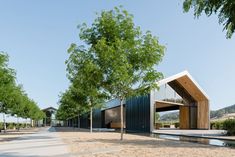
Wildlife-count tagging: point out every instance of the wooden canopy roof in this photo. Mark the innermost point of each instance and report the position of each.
(185, 86)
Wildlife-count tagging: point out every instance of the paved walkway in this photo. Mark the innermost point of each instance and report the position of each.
(45, 143)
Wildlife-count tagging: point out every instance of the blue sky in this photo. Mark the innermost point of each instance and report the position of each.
(36, 35)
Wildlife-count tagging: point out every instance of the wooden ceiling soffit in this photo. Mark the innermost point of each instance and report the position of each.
(179, 89)
(191, 88)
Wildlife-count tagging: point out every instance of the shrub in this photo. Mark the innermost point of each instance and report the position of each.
(1, 126)
(177, 124)
(10, 125)
(229, 125)
(218, 125)
(212, 125)
(22, 125)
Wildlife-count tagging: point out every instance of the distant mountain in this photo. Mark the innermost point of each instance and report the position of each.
(172, 116)
(222, 112)
(214, 114)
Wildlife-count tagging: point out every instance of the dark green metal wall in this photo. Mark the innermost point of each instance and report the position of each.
(84, 121)
(138, 114)
(97, 119)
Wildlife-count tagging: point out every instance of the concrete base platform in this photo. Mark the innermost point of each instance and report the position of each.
(195, 133)
(103, 129)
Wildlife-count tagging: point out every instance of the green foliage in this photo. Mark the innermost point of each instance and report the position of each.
(70, 104)
(157, 117)
(13, 99)
(1, 126)
(117, 61)
(126, 57)
(229, 125)
(162, 124)
(86, 77)
(218, 125)
(177, 124)
(7, 84)
(10, 125)
(224, 8)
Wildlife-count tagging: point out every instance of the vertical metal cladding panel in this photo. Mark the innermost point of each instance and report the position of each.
(84, 121)
(75, 122)
(138, 114)
(97, 119)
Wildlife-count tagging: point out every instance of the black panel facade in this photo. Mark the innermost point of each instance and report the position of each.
(138, 114)
(84, 121)
(97, 119)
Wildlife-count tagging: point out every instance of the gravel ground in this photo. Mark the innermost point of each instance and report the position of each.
(107, 144)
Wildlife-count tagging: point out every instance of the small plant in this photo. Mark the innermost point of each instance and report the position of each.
(229, 125)
(217, 125)
(10, 126)
(1, 126)
(177, 124)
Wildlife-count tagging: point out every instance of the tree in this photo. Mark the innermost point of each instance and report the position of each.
(126, 57)
(224, 8)
(86, 78)
(70, 104)
(7, 84)
(13, 99)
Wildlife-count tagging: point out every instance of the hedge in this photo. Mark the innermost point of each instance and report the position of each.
(218, 125)
(229, 125)
(12, 125)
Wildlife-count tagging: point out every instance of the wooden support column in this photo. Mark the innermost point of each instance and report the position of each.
(203, 114)
(184, 117)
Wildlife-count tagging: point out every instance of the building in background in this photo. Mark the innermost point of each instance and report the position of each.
(50, 119)
(179, 92)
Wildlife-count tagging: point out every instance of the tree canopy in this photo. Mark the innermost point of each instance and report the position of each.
(224, 8)
(13, 99)
(117, 59)
(70, 104)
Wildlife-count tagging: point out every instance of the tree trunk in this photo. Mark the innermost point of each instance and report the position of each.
(122, 125)
(91, 120)
(26, 123)
(78, 122)
(4, 123)
(18, 126)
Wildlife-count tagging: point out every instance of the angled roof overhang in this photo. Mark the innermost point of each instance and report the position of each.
(184, 82)
(49, 109)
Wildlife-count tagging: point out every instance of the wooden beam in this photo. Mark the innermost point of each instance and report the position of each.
(184, 117)
(191, 88)
(169, 108)
(168, 102)
(179, 89)
(203, 115)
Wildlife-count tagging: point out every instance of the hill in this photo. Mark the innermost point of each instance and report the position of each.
(222, 112)
(172, 116)
(214, 114)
